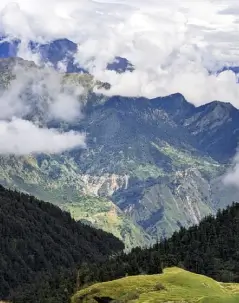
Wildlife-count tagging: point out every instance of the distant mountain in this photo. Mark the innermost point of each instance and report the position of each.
(214, 125)
(120, 65)
(61, 50)
(8, 48)
(150, 167)
(40, 241)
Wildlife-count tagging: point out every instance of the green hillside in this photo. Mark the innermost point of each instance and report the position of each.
(104, 214)
(174, 285)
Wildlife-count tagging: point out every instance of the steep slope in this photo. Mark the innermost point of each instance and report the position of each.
(104, 214)
(216, 128)
(38, 241)
(150, 166)
(59, 179)
(174, 285)
(166, 170)
(214, 125)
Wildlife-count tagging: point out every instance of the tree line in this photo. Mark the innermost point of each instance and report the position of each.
(45, 255)
(210, 248)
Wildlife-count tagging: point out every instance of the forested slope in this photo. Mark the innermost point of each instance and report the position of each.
(210, 248)
(40, 243)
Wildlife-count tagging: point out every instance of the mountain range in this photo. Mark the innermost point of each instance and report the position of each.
(150, 166)
(56, 51)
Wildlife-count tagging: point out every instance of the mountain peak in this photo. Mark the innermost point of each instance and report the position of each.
(175, 105)
(220, 105)
(217, 110)
(59, 50)
(9, 63)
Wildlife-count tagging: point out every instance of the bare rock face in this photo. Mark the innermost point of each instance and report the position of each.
(105, 185)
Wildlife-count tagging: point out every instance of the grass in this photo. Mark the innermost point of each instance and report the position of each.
(89, 206)
(174, 285)
(184, 158)
(86, 80)
(103, 214)
(145, 171)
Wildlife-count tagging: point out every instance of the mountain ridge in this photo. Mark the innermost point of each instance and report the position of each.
(143, 157)
(56, 52)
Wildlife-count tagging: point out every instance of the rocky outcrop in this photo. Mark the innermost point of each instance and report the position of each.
(181, 200)
(105, 185)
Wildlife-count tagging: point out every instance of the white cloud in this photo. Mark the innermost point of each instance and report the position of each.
(48, 95)
(38, 94)
(232, 176)
(172, 43)
(21, 137)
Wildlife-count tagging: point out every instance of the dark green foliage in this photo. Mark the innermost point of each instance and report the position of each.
(54, 287)
(211, 248)
(41, 246)
(138, 261)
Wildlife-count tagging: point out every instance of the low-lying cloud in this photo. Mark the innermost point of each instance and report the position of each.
(232, 175)
(38, 96)
(21, 137)
(42, 92)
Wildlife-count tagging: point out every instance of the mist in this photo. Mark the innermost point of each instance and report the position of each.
(33, 98)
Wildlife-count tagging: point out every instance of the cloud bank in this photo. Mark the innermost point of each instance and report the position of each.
(175, 46)
(21, 137)
(33, 99)
(232, 175)
(41, 91)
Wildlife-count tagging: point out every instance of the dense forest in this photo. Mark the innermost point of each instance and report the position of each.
(41, 246)
(211, 248)
(138, 261)
(46, 255)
